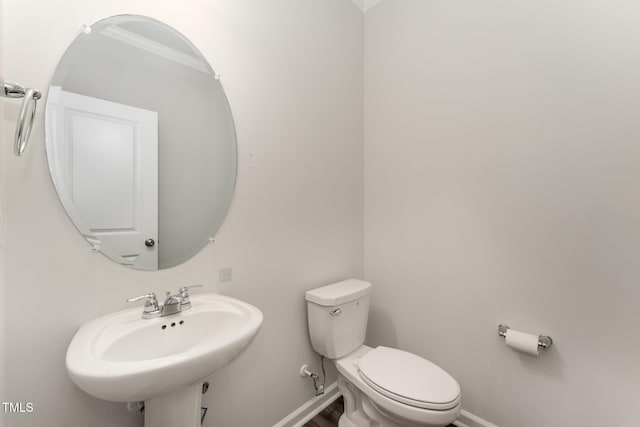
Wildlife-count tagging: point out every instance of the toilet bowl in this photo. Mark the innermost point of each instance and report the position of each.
(381, 386)
(389, 410)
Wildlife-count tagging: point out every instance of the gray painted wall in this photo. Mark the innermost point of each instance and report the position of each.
(501, 186)
(4, 137)
(293, 73)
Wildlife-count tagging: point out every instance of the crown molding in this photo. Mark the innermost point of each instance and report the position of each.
(365, 5)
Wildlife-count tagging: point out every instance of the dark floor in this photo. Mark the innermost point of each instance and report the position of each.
(330, 415)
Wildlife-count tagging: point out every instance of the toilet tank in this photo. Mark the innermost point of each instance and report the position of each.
(338, 315)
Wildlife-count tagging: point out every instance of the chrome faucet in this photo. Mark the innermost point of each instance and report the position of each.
(184, 294)
(172, 304)
(151, 307)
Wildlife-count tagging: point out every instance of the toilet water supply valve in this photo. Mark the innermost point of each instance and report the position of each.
(317, 385)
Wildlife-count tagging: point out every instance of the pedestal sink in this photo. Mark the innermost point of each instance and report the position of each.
(121, 357)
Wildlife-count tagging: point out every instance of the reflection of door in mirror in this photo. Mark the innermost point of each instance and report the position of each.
(109, 153)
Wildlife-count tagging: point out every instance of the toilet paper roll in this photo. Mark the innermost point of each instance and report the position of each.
(521, 341)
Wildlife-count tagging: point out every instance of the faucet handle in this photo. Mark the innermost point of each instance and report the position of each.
(184, 293)
(151, 308)
(185, 289)
(150, 296)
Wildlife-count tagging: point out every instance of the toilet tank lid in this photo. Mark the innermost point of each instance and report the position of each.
(339, 293)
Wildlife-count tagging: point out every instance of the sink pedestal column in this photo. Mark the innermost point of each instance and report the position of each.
(179, 408)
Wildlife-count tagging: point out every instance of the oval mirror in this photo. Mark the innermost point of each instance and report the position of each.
(140, 142)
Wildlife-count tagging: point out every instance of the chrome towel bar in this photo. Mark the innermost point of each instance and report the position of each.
(27, 112)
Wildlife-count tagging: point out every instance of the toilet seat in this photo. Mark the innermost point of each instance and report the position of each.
(409, 379)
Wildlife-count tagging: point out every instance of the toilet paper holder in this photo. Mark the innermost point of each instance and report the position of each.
(544, 341)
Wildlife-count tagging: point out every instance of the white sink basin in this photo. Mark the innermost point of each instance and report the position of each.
(123, 358)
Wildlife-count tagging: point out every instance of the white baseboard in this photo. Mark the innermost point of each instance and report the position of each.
(315, 405)
(310, 408)
(469, 420)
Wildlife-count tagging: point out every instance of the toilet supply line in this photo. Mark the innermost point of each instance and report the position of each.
(317, 385)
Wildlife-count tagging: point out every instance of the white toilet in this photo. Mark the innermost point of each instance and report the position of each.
(382, 387)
